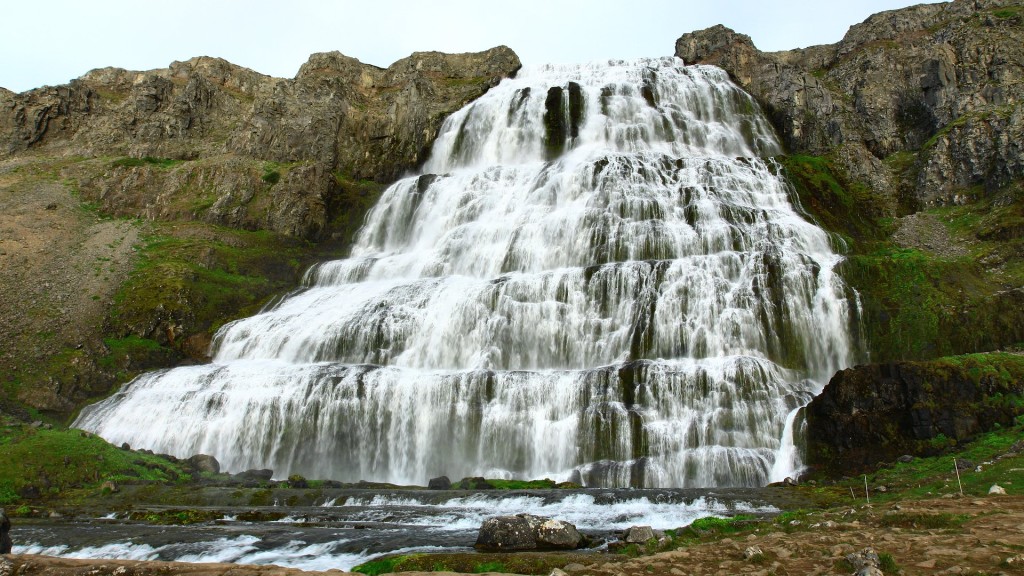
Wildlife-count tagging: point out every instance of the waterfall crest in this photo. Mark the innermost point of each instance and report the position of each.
(597, 276)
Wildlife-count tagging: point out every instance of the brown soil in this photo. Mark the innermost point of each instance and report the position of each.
(60, 265)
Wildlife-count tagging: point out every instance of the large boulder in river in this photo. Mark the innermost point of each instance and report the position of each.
(527, 532)
(205, 463)
(439, 483)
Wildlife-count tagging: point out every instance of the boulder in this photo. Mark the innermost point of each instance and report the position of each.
(205, 463)
(638, 535)
(475, 483)
(996, 490)
(557, 535)
(262, 475)
(439, 483)
(526, 532)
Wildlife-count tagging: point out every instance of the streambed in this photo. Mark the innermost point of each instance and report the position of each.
(351, 526)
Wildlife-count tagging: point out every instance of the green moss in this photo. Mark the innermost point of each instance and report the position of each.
(1006, 13)
(129, 162)
(384, 565)
(931, 476)
(352, 200)
(54, 461)
(198, 282)
(847, 209)
(544, 484)
(271, 174)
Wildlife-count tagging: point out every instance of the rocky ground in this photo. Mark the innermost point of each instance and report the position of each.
(60, 265)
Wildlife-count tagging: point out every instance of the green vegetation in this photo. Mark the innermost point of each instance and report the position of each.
(934, 475)
(129, 162)
(353, 199)
(271, 174)
(52, 462)
(1009, 12)
(847, 209)
(919, 305)
(188, 275)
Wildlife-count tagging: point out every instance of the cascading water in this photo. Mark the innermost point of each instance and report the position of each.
(596, 277)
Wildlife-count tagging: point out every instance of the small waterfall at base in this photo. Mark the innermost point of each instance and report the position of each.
(597, 277)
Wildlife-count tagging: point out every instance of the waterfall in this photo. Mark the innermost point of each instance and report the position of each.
(597, 276)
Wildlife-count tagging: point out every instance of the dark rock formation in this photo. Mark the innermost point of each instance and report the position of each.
(205, 463)
(940, 81)
(526, 532)
(439, 483)
(473, 483)
(5, 533)
(263, 475)
(880, 412)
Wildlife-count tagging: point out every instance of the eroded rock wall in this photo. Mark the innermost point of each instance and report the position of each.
(940, 81)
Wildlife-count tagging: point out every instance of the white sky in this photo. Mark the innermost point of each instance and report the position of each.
(53, 41)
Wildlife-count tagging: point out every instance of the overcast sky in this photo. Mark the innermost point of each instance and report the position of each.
(53, 41)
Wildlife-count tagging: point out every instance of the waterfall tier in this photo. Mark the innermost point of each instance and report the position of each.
(597, 276)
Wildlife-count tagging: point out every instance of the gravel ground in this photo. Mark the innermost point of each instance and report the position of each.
(60, 266)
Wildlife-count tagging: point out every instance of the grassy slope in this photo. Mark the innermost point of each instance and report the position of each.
(918, 305)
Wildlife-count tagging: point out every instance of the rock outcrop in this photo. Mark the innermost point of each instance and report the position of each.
(878, 412)
(941, 83)
(229, 146)
(527, 532)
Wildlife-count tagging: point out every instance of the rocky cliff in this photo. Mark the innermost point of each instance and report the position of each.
(242, 149)
(141, 210)
(922, 104)
(879, 412)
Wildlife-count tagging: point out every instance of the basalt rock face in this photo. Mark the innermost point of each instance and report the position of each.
(879, 412)
(233, 129)
(942, 82)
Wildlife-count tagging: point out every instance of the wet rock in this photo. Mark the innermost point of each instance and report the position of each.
(474, 483)
(205, 463)
(5, 533)
(526, 532)
(262, 475)
(638, 535)
(439, 483)
(30, 492)
(557, 535)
